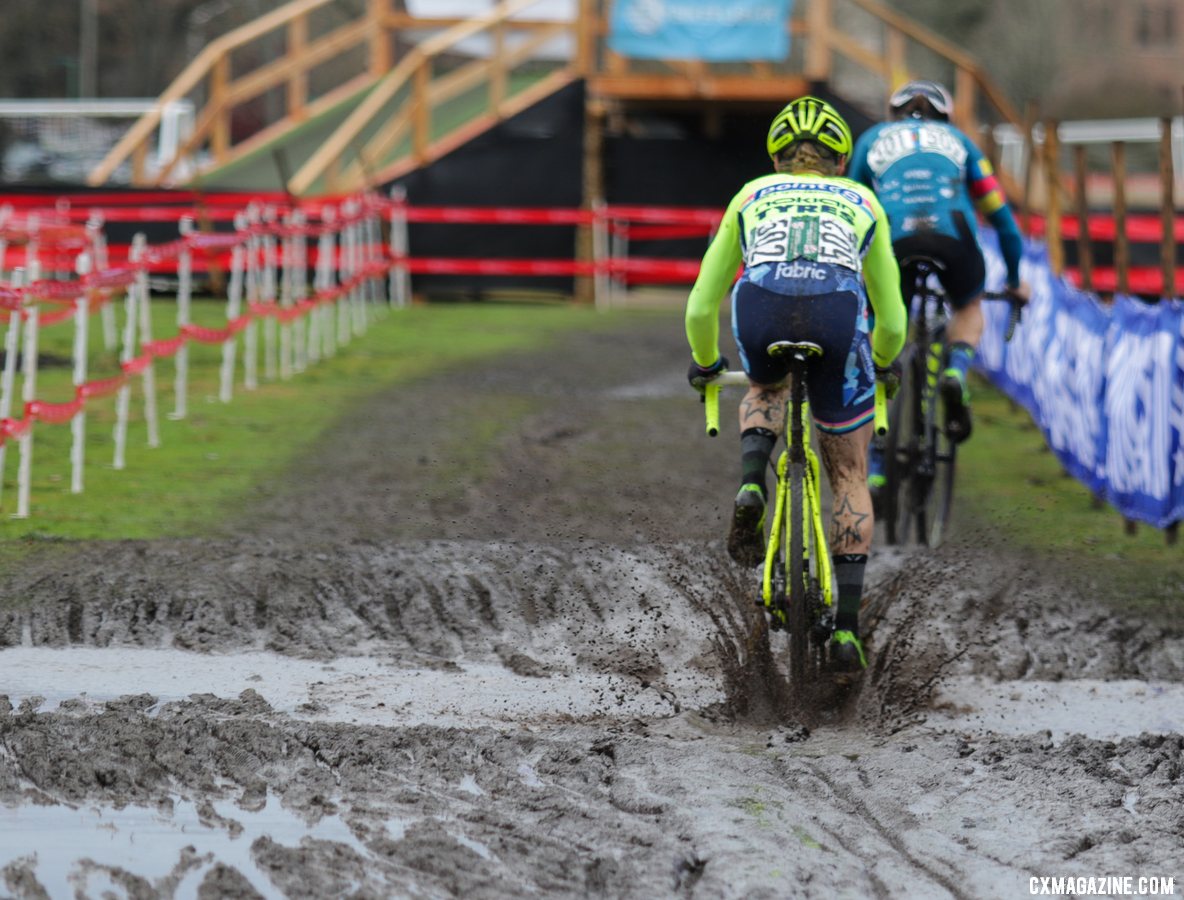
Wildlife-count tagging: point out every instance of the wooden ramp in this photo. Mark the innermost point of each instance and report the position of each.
(352, 101)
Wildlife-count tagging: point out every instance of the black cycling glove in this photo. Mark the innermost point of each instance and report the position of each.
(890, 375)
(699, 376)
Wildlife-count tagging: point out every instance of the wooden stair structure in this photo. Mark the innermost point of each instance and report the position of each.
(382, 93)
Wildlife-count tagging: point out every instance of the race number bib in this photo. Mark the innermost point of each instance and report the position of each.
(769, 242)
(836, 245)
(815, 238)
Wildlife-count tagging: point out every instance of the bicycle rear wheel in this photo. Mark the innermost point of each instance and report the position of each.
(937, 501)
(903, 448)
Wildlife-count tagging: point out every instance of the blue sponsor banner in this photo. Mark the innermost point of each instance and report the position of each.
(1105, 383)
(712, 30)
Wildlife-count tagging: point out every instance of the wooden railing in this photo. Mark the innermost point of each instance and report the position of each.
(220, 91)
(409, 100)
(409, 112)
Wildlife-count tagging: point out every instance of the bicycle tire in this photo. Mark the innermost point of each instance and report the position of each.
(907, 452)
(933, 515)
(797, 589)
(896, 459)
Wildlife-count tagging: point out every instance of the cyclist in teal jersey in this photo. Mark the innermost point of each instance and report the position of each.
(816, 248)
(932, 179)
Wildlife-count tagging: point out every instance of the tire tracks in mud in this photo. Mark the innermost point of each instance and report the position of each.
(584, 552)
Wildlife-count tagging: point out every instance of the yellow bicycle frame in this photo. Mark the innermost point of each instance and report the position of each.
(811, 523)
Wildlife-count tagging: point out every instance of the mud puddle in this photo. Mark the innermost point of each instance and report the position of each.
(358, 689)
(1103, 710)
(172, 848)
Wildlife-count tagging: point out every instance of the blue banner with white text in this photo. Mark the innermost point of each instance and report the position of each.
(710, 30)
(1105, 383)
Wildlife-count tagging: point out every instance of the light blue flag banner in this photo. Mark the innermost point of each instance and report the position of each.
(1105, 383)
(710, 30)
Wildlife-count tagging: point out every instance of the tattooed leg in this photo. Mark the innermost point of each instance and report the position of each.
(845, 458)
(764, 407)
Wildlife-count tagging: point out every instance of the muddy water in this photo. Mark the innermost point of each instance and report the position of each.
(500, 666)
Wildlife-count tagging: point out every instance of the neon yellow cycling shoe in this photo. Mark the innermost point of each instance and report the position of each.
(846, 652)
(746, 539)
(956, 395)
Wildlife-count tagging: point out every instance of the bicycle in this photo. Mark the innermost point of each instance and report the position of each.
(797, 585)
(919, 457)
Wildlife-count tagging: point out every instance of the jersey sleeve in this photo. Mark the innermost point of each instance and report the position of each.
(882, 276)
(716, 274)
(988, 197)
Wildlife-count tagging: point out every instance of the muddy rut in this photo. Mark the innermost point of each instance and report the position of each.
(489, 644)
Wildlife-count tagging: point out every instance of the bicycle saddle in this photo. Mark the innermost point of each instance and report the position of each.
(801, 349)
(922, 262)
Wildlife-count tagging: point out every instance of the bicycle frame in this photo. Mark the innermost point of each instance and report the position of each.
(812, 524)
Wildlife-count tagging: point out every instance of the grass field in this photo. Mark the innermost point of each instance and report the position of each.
(1009, 481)
(218, 453)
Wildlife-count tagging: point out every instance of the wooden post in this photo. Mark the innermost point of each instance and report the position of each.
(298, 82)
(1030, 117)
(1052, 175)
(1085, 257)
(587, 34)
(1167, 211)
(422, 117)
(1122, 249)
(380, 40)
(594, 114)
(497, 75)
(894, 50)
(220, 130)
(818, 19)
(965, 91)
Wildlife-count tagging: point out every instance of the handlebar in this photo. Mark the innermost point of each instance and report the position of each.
(735, 379)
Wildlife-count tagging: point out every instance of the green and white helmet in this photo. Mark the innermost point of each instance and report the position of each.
(809, 118)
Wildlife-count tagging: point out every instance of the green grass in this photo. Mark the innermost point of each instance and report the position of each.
(214, 459)
(1010, 482)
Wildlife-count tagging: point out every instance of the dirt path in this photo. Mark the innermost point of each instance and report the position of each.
(486, 642)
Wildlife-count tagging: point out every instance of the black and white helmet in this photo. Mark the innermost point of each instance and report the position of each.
(934, 94)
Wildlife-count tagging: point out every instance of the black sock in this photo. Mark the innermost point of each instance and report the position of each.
(849, 580)
(756, 446)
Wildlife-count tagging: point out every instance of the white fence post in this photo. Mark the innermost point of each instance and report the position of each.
(81, 351)
(123, 398)
(287, 294)
(302, 340)
(267, 293)
(12, 342)
(400, 276)
(24, 478)
(251, 333)
(184, 317)
(234, 303)
(144, 307)
(98, 243)
(327, 264)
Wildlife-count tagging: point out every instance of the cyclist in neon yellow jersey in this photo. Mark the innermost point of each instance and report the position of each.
(816, 248)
